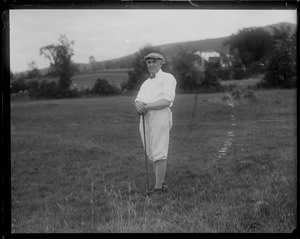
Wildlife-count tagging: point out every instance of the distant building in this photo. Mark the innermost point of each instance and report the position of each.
(210, 56)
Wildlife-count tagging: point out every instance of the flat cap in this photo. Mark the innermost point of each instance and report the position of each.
(154, 56)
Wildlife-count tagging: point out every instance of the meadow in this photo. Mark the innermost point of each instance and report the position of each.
(244, 82)
(77, 165)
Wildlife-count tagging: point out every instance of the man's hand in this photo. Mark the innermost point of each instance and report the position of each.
(141, 107)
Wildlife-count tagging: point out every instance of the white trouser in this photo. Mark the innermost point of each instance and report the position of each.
(158, 124)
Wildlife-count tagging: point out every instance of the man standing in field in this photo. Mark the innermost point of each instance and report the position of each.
(153, 101)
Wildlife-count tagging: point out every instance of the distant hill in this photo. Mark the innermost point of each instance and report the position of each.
(171, 50)
(216, 44)
(270, 28)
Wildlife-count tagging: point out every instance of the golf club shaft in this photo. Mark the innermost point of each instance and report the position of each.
(145, 147)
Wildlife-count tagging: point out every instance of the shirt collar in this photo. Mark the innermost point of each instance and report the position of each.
(157, 74)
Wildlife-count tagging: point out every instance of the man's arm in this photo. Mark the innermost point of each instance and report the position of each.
(158, 105)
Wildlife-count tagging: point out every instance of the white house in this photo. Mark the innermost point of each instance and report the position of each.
(210, 56)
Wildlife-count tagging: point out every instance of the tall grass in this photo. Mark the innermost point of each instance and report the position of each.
(78, 166)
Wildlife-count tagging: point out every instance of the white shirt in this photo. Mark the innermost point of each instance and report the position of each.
(161, 87)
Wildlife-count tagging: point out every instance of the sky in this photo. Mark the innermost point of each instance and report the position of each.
(108, 34)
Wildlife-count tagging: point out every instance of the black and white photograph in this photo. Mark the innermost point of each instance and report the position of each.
(153, 120)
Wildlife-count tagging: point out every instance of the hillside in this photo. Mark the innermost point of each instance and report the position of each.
(171, 50)
(270, 28)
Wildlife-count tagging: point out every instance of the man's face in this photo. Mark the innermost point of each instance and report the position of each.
(153, 65)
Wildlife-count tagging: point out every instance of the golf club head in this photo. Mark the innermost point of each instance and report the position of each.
(148, 192)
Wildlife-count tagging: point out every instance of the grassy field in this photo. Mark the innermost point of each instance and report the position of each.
(77, 165)
(244, 82)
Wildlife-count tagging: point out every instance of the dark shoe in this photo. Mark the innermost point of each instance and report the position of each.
(164, 188)
(154, 192)
(158, 191)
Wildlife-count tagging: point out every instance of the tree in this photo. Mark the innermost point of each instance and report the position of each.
(60, 60)
(140, 72)
(238, 68)
(33, 70)
(186, 74)
(252, 44)
(281, 71)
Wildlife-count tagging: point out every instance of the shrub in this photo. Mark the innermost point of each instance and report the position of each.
(33, 88)
(279, 79)
(49, 89)
(102, 87)
(224, 73)
(238, 73)
(255, 68)
(211, 78)
(42, 89)
(17, 86)
(124, 86)
(65, 92)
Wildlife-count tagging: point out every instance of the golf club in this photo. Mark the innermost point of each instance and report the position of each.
(145, 148)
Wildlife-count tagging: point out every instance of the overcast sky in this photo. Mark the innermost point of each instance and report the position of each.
(108, 34)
